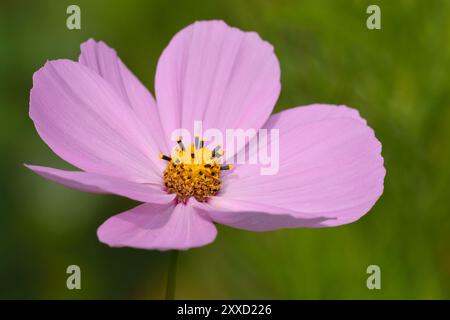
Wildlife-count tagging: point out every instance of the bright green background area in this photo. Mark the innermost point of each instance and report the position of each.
(397, 77)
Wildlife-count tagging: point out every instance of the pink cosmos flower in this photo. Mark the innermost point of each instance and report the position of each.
(96, 115)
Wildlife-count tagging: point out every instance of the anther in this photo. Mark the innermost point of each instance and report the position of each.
(216, 152)
(167, 158)
(180, 143)
(226, 167)
(197, 140)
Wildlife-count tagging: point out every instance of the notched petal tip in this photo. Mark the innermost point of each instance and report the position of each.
(238, 70)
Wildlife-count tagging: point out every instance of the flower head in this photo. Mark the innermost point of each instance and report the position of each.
(193, 172)
(96, 115)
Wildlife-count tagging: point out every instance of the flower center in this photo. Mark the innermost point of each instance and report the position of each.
(194, 171)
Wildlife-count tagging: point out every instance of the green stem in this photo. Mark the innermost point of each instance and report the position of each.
(172, 275)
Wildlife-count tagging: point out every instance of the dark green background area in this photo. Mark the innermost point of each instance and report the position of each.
(397, 77)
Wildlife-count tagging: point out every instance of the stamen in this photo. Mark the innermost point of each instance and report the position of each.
(197, 140)
(180, 143)
(167, 158)
(216, 152)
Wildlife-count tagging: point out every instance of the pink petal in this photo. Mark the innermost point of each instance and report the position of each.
(104, 60)
(162, 227)
(78, 114)
(330, 166)
(218, 74)
(97, 183)
(254, 216)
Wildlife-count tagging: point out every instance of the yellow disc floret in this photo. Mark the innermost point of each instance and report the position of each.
(193, 171)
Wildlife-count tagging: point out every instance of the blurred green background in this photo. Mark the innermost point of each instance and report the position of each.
(397, 77)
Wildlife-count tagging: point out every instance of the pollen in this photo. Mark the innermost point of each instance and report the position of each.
(194, 171)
